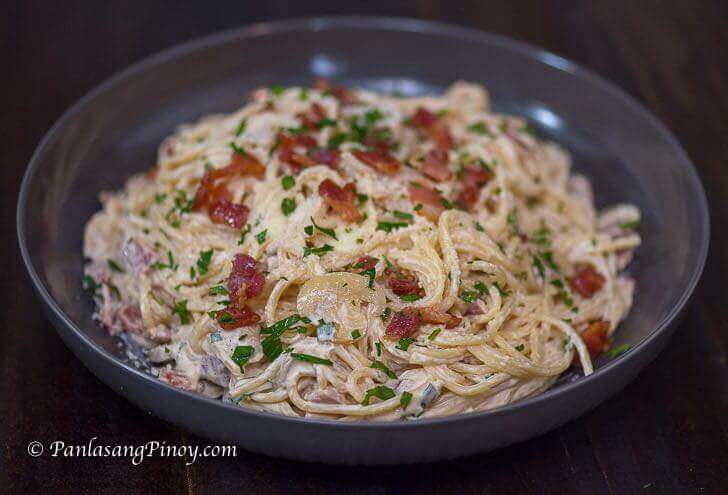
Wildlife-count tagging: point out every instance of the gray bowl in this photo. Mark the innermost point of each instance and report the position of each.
(114, 131)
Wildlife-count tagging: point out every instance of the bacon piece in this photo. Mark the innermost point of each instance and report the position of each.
(587, 281)
(474, 177)
(430, 199)
(312, 116)
(403, 284)
(379, 160)
(341, 93)
(233, 214)
(236, 316)
(130, 318)
(328, 157)
(288, 154)
(365, 263)
(434, 128)
(423, 118)
(473, 310)
(435, 165)
(404, 324)
(245, 282)
(217, 198)
(177, 380)
(596, 338)
(436, 317)
(342, 201)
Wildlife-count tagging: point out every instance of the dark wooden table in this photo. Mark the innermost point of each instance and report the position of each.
(667, 432)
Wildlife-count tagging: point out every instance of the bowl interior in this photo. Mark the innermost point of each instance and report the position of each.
(115, 132)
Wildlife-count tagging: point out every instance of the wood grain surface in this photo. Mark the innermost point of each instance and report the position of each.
(667, 432)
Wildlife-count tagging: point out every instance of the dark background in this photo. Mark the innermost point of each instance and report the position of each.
(667, 432)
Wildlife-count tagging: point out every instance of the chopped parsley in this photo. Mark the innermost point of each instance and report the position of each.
(404, 343)
(260, 237)
(378, 365)
(244, 234)
(371, 273)
(381, 392)
(434, 334)
(238, 150)
(311, 359)
(241, 355)
(513, 221)
(386, 313)
(288, 182)
(218, 290)
(180, 309)
(277, 90)
(469, 296)
(478, 227)
(308, 229)
(390, 226)
(159, 198)
(405, 399)
(329, 232)
(319, 251)
(479, 128)
(115, 266)
(520, 347)
(171, 264)
(271, 345)
(90, 284)
(203, 262)
(378, 346)
(402, 215)
(618, 351)
(355, 334)
(241, 127)
(631, 225)
(288, 205)
(410, 297)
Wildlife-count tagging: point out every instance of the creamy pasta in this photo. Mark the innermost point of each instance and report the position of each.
(338, 253)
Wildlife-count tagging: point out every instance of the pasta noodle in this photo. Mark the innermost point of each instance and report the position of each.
(338, 253)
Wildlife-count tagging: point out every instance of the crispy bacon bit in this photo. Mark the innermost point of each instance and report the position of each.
(365, 263)
(342, 201)
(328, 157)
(586, 281)
(596, 338)
(423, 118)
(404, 324)
(177, 380)
(403, 284)
(245, 276)
(434, 316)
(341, 93)
(233, 214)
(217, 198)
(152, 173)
(130, 318)
(430, 200)
(293, 150)
(435, 165)
(379, 160)
(236, 316)
(312, 116)
(474, 177)
(435, 129)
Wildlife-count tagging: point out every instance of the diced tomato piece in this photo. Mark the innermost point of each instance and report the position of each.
(341, 200)
(587, 281)
(404, 324)
(434, 316)
(379, 160)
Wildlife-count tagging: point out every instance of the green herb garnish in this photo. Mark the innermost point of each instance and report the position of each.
(288, 182)
(241, 127)
(434, 334)
(260, 237)
(410, 297)
(404, 343)
(405, 399)
(115, 266)
(319, 251)
(329, 232)
(288, 205)
(241, 355)
(180, 309)
(203, 262)
(378, 365)
(311, 359)
(380, 392)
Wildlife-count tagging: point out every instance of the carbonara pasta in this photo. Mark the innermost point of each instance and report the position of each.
(338, 253)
